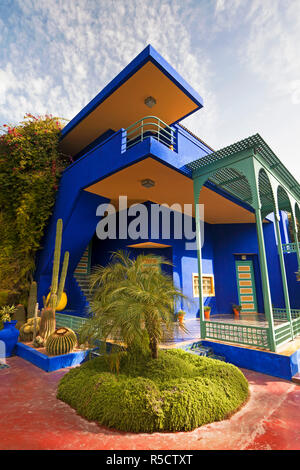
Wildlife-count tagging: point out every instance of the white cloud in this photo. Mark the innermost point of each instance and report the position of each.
(66, 51)
(56, 56)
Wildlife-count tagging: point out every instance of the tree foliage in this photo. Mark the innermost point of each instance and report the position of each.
(291, 231)
(133, 303)
(30, 168)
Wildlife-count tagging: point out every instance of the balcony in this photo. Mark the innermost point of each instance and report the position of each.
(151, 126)
(289, 247)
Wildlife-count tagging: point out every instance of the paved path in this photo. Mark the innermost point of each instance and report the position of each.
(32, 418)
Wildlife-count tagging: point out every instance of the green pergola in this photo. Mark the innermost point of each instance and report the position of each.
(251, 172)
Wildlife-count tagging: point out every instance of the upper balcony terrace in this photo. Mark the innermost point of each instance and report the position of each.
(150, 136)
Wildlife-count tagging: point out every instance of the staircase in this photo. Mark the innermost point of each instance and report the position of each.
(83, 282)
(81, 275)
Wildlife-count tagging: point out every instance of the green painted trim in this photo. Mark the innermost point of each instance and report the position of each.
(197, 189)
(283, 276)
(256, 145)
(228, 161)
(247, 335)
(246, 263)
(265, 279)
(69, 321)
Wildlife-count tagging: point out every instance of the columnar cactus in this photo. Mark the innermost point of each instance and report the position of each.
(36, 310)
(47, 323)
(57, 286)
(62, 341)
(32, 299)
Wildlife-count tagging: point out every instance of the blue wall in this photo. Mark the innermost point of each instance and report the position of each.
(222, 243)
(77, 208)
(291, 265)
(231, 239)
(185, 262)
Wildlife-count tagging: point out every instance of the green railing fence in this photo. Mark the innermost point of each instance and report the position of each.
(283, 333)
(248, 335)
(69, 321)
(281, 315)
(289, 247)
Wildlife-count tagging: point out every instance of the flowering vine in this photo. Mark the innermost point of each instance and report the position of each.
(30, 168)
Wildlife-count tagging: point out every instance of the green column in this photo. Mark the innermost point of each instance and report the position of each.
(265, 279)
(283, 275)
(199, 256)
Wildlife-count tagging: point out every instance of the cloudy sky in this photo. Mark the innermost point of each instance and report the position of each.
(242, 56)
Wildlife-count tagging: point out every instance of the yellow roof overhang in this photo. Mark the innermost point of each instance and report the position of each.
(122, 102)
(171, 187)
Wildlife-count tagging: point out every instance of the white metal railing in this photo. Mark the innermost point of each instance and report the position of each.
(151, 126)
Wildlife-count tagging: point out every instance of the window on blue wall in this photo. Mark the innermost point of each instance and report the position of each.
(208, 285)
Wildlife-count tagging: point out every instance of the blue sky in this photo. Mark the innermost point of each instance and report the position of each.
(242, 56)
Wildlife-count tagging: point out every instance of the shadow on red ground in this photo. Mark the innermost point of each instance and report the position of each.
(33, 419)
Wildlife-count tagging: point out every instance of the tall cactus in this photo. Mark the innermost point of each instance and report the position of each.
(57, 286)
(32, 300)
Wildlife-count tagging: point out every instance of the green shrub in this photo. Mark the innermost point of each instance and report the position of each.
(178, 391)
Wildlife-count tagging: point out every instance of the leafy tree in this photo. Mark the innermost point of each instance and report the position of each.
(30, 168)
(291, 231)
(133, 303)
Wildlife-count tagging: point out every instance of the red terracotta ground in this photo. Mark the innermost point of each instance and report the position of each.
(32, 418)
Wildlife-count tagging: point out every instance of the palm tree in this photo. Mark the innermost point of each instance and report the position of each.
(133, 303)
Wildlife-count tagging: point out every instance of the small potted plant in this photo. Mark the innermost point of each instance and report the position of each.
(207, 310)
(180, 316)
(9, 335)
(236, 310)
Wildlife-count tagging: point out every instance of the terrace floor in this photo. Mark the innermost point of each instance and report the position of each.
(32, 418)
(193, 324)
(193, 333)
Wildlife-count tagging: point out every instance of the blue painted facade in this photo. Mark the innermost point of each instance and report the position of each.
(50, 363)
(276, 365)
(107, 155)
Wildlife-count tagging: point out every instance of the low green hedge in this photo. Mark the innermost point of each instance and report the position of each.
(177, 392)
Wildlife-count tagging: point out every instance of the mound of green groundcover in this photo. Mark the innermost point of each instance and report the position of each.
(178, 391)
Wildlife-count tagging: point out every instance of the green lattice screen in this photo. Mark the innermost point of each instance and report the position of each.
(240, 334)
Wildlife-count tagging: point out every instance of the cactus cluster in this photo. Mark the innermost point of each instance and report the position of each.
(57, 287)
(27, 330)
(39, 329)
(62, 341)
(19, 315)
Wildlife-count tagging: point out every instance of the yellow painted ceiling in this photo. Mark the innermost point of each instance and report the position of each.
(170, 187)
(126, 106)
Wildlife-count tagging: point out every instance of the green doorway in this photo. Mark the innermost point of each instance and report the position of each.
(246, 286)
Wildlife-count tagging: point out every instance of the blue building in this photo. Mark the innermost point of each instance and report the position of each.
(129, 141)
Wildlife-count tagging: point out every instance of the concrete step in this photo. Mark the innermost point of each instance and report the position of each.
(84, 285)
(296, 378)
(83, 282)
